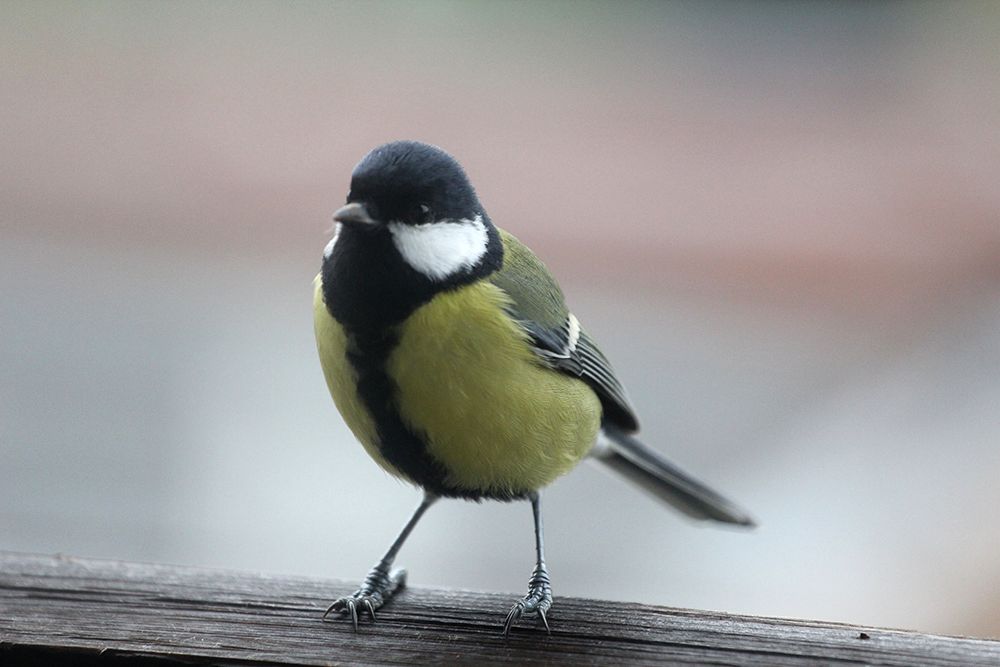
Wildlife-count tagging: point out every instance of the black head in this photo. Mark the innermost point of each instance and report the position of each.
(412, 227)
(412, 183)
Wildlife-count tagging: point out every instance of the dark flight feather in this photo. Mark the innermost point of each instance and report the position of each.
(538, 305)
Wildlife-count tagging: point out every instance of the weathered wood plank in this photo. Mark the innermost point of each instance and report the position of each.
(190, 615)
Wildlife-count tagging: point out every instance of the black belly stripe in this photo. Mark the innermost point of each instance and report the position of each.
(400, 446)
(369, 290)
(398, 443)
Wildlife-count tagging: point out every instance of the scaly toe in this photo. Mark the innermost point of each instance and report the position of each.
(354, 605)
(378, 588)
(537, 603)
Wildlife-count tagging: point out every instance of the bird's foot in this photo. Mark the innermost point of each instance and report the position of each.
(536, 602)
(379, 586)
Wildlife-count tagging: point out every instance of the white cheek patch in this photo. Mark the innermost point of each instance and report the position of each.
(328, 250)
(441, 249)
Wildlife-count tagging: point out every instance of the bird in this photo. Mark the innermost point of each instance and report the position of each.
(450, 353)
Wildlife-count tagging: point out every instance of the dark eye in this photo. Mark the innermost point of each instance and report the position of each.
(424, 214)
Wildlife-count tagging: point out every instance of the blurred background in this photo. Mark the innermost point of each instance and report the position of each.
(781, 220)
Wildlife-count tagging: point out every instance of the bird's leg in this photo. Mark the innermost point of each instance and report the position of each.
(539, 597)
(381, 583)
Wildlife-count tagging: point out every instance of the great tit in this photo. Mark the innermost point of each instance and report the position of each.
(450, 353)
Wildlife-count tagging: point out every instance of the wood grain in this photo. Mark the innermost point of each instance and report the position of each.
(113, 612)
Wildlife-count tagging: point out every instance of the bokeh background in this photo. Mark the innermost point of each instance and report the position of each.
(782, 221)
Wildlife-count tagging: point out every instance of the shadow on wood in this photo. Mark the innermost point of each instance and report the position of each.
(58, 607)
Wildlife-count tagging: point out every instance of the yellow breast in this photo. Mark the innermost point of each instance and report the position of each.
(490, 412)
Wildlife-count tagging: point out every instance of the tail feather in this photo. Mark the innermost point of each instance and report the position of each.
(651, 471)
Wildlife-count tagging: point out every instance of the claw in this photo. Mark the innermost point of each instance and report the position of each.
(541, 612)
(512, 615)
(371, 608)
(353, 606)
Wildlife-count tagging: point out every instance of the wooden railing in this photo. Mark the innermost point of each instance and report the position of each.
(56, 609)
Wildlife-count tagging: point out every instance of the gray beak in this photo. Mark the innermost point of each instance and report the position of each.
(354, 214)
